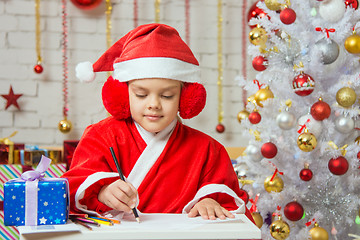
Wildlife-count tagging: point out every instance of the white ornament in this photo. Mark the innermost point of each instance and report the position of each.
(332, 10)
(285, 120)
(313, 126)
(344, 124)
(253, 152)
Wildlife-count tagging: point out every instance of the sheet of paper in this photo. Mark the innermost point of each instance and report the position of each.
(169, 221)
(69, 227)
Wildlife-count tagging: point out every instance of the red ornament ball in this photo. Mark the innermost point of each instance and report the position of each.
(293, 211)
(320, 110)
(86, 4)
(259, 63)
(38, 68)
(220, 128)
(303, 84)
(338, 166)
(255, 12)
(287, 16)
(254, 117)
(269, 150)
(306, 174)
(352, 3)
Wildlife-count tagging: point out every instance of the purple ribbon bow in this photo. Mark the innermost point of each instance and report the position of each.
(39, 172)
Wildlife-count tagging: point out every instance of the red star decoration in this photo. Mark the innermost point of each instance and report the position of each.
(11, 98)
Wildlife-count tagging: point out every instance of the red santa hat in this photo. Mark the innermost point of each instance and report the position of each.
(149, 51)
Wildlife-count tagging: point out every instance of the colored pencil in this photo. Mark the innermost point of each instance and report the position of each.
(123, 178)
(101, 221)
(78, 215)
(85, 220)
(106, 219)
(82, 224)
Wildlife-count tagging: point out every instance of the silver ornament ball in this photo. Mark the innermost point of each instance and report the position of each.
(329, 50)
(344, 124)
(253, 152)
(285, 120)
(240, 170)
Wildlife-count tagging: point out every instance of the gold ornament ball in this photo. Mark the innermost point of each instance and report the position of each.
(279, 230)
(258, 219)
(262, 95)
(276, 185)
(352, 44)
(242, 115)
(258, 36)
(251, 98)
(346, 97)
(307, 142)
(318, 233)
(65, 126)
(273, 5)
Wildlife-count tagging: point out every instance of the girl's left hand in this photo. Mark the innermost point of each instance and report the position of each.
(208, 208)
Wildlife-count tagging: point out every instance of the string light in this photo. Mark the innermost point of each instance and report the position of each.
(136, 13)
(244, 47)
(65, 125)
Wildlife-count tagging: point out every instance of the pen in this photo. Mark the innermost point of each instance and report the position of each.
(123, 178)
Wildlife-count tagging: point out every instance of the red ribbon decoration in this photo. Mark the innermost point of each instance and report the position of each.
(303, 126)
(278, 208)
(258, 83)
(310, 222)
(253, 207)
(327, 30)
(276, 171)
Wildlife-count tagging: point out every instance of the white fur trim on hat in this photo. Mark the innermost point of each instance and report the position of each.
(85, 72)
(156, 67)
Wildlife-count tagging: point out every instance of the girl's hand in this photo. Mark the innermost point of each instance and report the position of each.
(208, 208)
(119, 195)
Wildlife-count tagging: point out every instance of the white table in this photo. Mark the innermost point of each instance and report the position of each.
(159, 226)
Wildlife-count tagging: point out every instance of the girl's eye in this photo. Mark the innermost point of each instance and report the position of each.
(140, 95)
(167, 96)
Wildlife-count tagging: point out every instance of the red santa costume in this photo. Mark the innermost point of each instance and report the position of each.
(171, 170)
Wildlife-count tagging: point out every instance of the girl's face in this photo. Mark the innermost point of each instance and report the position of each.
(154, 102)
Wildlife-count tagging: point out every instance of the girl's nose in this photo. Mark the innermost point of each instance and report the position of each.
(154, 103)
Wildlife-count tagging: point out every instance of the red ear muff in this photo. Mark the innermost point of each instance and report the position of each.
(192, 100)
(115, 96)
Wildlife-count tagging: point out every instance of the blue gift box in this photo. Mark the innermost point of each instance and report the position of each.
(52, 202)
(33, 199)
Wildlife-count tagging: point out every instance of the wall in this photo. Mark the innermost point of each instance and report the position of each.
(42, 100)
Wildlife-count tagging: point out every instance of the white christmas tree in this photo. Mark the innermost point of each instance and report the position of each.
(301, 115)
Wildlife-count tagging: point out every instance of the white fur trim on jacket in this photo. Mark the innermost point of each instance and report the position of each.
(215, 188)
(90, 180)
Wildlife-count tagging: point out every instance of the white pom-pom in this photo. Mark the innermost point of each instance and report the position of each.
(85, 72)
(333, 10)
